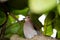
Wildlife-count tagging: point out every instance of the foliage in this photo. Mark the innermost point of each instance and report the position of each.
(10, 10)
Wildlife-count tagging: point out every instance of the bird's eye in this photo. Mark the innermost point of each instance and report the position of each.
(28, 17)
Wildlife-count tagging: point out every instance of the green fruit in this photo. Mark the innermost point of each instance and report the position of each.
(17, 4)
(36, 23)
(48, 27)
(2, 17)
(41, 6)
(15, 28)
(21, 12)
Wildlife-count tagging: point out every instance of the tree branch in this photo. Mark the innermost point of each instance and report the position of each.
(2, 32)
(14, 17)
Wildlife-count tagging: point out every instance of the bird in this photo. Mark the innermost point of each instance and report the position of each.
(28, 28)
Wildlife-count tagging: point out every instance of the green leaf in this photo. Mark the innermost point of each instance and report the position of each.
(49, 18)
(2, 17)
(8, 23)
(22, 12)
(12, 19)
(20, 31)
(15, 28)
(58, 34)
(48, 28)
(57, 23)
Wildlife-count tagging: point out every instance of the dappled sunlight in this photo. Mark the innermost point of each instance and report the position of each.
(42, 18)
(54, 33)
(21, 17)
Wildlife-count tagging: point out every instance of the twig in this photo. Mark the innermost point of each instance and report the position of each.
(14, 17)
(2, 32)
